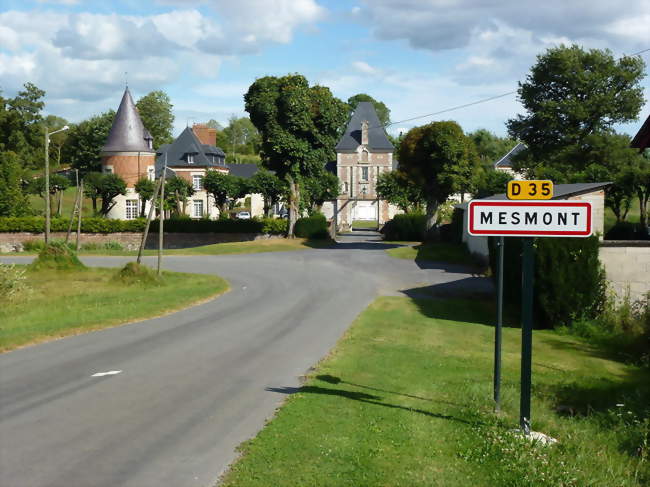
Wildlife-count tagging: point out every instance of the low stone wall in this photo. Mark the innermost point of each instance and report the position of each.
(627, 265)
(131, 241)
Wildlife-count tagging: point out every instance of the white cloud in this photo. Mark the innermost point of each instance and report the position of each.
(365, 68)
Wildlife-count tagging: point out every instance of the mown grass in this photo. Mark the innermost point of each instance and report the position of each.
(433, 252)
(60, 303)
(365, 224)
(405, 400)
(37, 203)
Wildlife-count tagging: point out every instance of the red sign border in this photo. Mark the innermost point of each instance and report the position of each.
(526, 233)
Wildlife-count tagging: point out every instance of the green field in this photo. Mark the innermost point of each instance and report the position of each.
(66, 303)
(67, 203)
(365, 224)
(405, 400)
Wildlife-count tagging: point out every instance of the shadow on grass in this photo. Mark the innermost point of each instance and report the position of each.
(366, 398)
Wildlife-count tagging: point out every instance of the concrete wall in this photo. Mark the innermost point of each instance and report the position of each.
(10, 242)
(627, 265)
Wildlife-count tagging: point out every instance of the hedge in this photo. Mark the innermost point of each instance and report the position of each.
(569, 280)
(407, 227)
(104, 225)
(314, 226)
(627, 231)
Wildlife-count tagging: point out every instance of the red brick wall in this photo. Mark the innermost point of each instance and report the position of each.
(130, 167)
(205, 134)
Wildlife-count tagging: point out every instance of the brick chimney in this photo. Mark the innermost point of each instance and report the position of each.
(205, 134)
(364, 132)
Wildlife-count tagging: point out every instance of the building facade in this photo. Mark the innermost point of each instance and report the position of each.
(362, 154)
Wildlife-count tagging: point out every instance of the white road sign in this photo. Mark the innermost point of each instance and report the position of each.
(553, 218)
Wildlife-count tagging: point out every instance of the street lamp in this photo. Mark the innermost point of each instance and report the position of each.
(47, 180)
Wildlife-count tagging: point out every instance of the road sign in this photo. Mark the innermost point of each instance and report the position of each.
(530, 190)
(554, 218)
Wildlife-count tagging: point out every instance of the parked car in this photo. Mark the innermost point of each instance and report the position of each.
(244, 215)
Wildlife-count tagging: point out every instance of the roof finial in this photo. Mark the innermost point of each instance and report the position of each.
(126, 79)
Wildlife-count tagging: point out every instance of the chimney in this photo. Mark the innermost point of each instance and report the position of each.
(364, 132)
(205, 134)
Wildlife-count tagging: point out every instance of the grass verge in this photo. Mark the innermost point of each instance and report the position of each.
(365, 224)
(61, 303)
(405, 400)
(433, 252)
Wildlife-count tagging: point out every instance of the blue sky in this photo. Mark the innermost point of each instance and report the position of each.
(417, 56)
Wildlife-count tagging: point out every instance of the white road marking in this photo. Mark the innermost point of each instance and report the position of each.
(110, 372)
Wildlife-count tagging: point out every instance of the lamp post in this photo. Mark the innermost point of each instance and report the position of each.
(47, 180)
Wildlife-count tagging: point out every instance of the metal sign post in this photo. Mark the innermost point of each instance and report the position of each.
(527, 278)
(497, 328)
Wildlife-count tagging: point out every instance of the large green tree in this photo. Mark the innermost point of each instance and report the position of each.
(145, 188)
(490, 147)
(440, 159)
(224, 188)
(155, 111)
(383, 112)
(177, 191)
(271, 187)
(319, 188)
(299, 127)
(57, 141)
(239, 137)
(13, 201)
(105, 187)
(85, 141)
(396, 188)
(570, 94)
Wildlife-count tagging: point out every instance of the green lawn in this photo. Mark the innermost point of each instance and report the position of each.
(405, 400)
(67, 303)
(38, 204)
(365, 224)
(434, 252)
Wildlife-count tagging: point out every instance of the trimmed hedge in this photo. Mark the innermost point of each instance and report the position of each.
(569, 280)
(184, 225)
(408, 227)
(314, 226)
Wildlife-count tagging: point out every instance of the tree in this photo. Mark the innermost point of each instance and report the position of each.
(382, 110)
(145, 189)
(177, 191)
(395, 187)
(490, 147)
(223, 187)
(58, 184)
(571, 94)
(490, 181)
(13, 201)
(641, 183)
(299, 126)
(155, 111)
(239, 137)
(104, 186)
(271, 187)
(319, 188)
(85, 141)
(213, 124)
(53, 123)
(435, 157)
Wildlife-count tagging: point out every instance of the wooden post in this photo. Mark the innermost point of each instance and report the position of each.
(152, 209)
(162, 216)
(74, 208)
(81, 204)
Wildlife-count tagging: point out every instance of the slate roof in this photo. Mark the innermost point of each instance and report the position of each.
(377, 139)
(127, 134)
(642, 138)
(245, 171)
(188, 143)
(506, 161)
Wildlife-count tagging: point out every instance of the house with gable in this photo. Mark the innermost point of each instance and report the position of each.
(362, 154)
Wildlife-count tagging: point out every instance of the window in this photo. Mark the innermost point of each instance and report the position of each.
(151, 173)
(197, 182)
(346, 187)
(364, 174)
(108, 169)
(198, 209)
(190, 158)
(364, 156)
(131, 209)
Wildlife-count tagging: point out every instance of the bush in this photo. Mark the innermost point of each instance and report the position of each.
(407, 227)
(314, 226)
(57, 256)
(33, 245)
(12, 282)
(569, 279)
(88, 225)
(627, 231)
(134, 273)
(112, 245)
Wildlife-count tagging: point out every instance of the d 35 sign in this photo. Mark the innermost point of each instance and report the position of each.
(530, 190)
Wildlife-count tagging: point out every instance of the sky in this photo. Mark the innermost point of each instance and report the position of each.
(417, 56)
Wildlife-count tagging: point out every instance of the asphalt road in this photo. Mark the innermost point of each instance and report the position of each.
(192, 384)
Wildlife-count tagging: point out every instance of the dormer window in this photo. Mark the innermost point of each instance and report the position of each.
(150, 143)
(364, 155)
(190, 158)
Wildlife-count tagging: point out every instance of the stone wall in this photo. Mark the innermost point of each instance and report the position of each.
(131, 241)
(627, 265)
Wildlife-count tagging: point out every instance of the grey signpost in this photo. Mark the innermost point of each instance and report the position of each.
(528, 219)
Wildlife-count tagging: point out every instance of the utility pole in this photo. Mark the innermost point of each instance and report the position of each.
(74, 208)
(152, 208)
(162, 216)
(81, 204)
(47, 180)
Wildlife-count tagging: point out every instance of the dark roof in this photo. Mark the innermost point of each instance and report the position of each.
(642, 138)
(377, 139)
(127, 132)
(243, 170)
(560, 191)
(189, 143)
(506, 161)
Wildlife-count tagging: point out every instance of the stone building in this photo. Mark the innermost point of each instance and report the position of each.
(362, 154)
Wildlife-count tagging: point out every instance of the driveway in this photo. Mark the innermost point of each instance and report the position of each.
(192, 385)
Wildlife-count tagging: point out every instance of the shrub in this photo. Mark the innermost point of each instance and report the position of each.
(12, 282)
(57, 256)
(134, 273)
(569, 279)
(275, 226)
(408, 227)
(33, 245)
(314, 226)
(113, 245)
(627, 231)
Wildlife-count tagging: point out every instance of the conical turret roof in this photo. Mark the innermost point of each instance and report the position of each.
(127, 134)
